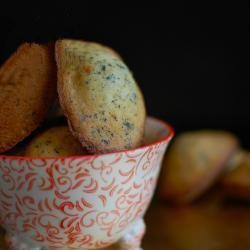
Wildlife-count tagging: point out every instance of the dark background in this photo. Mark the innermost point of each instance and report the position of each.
(192, 68)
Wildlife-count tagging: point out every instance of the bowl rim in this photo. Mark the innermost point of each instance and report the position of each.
(165, 139)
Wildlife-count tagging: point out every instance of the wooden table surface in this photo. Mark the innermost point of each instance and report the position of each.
(209, 224)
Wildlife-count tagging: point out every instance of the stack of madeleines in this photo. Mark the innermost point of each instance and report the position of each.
(197, 160)
(92, 87)
(86, 82)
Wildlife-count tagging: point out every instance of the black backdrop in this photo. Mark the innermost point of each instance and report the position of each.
(192, 69)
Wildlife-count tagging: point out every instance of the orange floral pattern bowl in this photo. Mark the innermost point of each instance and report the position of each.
(80, 202)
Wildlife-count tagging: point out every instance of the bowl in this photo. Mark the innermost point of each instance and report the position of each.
(81, 202)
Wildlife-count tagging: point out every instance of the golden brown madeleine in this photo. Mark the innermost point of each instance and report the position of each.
(103, 104)
(27, 90)
(236, 181)
(193, 163)
(56, 141)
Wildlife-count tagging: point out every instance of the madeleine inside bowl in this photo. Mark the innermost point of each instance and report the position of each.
(82, 202)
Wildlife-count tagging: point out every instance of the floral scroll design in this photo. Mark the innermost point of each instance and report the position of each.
(68, 201)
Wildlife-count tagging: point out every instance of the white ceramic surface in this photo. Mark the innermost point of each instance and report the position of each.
(80, 202)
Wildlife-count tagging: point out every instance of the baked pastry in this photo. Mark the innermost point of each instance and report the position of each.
(236, 181)
(56, 141)
(193, 163)
(100, 98)
(27, 90)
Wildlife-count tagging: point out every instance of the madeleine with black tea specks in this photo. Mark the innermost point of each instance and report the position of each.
(100, 98)
(55, 141)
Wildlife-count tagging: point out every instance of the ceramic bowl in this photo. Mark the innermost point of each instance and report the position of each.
(80, 202)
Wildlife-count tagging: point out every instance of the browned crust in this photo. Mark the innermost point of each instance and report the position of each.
(236, 182)
(201, 184)
(64, 101)
(63, 97)
(27, 90)
(69, 111)
(179, 193)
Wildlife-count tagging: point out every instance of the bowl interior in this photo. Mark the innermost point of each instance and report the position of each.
(156, 131)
